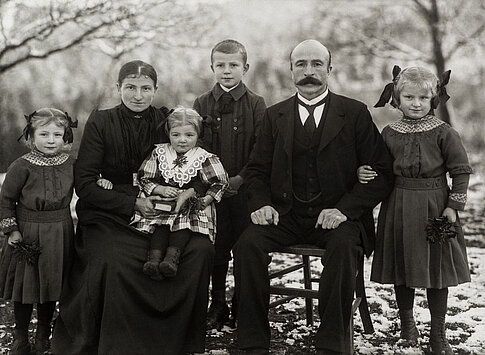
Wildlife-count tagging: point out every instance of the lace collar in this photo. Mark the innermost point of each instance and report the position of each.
(424, 124)
(180, 169)
(37, 158)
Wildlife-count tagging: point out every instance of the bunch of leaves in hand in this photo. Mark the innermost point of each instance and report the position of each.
(27, 252)
(439, 230)
(193, 205)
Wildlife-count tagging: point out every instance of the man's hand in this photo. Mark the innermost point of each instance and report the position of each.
(146, 206)
(330, 218)
(266, 215)
(450, 214)
(14, 237)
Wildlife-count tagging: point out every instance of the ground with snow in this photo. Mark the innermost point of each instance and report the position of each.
(290, 335)
(466, 304)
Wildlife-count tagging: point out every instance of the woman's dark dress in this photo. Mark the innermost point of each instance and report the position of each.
(108, 305)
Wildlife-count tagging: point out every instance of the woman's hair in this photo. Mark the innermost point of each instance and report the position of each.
(135, 69)
(417, 76)
(43, 117)
(182, 116)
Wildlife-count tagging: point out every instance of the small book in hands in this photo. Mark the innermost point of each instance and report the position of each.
(165, 204)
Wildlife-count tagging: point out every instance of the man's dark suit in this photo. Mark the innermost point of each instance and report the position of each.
(349, 139)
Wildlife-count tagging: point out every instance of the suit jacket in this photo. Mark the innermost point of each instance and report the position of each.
(349, 139)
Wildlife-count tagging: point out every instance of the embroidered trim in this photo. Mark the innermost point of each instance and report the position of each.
(461, 198)
(406, 125)
(171, 171)
(37, 158)
(7, 224)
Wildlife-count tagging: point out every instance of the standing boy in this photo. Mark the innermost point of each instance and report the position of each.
(234, 114)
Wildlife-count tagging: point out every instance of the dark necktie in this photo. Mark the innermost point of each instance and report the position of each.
(310, 124)
(226, 103)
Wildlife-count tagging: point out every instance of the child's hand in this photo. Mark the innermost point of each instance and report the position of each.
(207, 200)
(183, 197)
(365, 174)
(14, 237)
(450, 214)
(166, 191)
(105, 184)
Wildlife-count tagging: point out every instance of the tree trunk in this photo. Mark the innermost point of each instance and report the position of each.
(439, 59)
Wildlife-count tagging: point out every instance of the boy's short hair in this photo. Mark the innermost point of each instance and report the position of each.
(230, 46)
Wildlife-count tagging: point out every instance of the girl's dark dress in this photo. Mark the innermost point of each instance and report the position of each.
(108, 305)
(35, 200)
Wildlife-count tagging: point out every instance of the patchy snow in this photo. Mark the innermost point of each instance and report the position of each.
(290, 334)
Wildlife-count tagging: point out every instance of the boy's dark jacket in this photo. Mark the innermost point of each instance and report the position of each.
(247, 118)
(349, 139)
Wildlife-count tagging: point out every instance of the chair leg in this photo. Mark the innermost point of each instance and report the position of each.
(307, 279)
(351, 334)
(363, 306)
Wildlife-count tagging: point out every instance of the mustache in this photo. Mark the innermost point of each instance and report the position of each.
(309, 80)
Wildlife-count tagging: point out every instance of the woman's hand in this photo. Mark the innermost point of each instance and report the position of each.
(14, 237)
(105, 184)
(146, 206)
(450, 214)
(365, 174)
(166, 191)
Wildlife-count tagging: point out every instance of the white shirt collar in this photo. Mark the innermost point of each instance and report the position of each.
(226, 89)
(315, 99)
(317, 114)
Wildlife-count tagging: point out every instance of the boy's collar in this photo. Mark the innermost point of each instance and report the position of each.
(228, 89)
(236, 92)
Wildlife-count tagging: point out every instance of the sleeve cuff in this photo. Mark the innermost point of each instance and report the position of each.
(457, 201)
(8, 225)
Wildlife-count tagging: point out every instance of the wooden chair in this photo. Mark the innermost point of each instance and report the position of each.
(307, 251)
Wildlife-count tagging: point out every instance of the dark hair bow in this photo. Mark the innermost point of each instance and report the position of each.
(28, 127)
(68, 135)
(442, 95)
(388, 90)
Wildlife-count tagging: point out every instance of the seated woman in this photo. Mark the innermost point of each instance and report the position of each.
(108, 306)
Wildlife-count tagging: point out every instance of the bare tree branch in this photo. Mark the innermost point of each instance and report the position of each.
(465, 41)
(127, 24)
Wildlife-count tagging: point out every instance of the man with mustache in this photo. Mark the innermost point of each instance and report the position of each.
(303, 189)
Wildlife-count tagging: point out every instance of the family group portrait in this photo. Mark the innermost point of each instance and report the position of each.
(227, 177)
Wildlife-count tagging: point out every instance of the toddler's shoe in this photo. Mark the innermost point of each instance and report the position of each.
(150, 268)
(169, 266)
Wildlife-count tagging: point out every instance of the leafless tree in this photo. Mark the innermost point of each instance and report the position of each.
(429, 31)
(38, 29)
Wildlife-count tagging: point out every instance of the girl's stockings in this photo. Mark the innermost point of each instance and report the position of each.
(405, 302)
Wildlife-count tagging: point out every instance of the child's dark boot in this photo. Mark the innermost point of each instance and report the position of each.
(21, 345)
(150, 268)
(169, 266)
(437, 337)
(42, 342)
(409, 332)
(218, 313)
